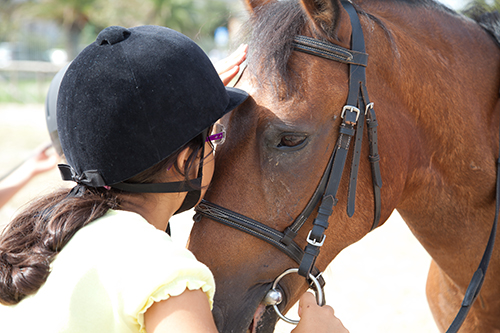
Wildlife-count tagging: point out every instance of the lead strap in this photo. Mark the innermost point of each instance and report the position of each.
(477, 279)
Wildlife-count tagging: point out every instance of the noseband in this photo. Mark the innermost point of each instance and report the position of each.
(357, 110)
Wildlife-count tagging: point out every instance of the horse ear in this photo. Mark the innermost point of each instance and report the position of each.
(253, 4)
(329, 18)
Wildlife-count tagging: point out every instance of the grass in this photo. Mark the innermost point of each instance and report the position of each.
(24, 90)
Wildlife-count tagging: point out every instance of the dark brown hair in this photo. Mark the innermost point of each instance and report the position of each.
(31, 241)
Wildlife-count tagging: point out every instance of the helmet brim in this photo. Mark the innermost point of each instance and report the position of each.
(236, 97)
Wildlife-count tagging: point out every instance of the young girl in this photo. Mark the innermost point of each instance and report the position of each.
(135, 117)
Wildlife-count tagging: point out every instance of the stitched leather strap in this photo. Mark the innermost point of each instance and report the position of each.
(353, 120)
(374, 159)
(329, 51)
(254, 228)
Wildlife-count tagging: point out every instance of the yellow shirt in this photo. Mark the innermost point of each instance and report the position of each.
(105, 279)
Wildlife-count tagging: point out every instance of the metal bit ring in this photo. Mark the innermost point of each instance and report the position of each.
(318, 291)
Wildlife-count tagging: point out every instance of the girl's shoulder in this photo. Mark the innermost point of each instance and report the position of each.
(123, 240)
(121, 228)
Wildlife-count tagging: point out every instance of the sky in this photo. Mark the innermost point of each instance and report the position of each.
(455, 4)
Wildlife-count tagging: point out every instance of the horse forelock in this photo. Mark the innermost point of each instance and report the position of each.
(270, 32)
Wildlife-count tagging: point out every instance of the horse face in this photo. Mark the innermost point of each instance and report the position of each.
(276, 150)
(278, 145)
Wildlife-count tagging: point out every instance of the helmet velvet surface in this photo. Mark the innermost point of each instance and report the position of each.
(134, 97)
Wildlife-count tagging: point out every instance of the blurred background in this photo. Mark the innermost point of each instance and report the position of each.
(38, 37)
(375, 285)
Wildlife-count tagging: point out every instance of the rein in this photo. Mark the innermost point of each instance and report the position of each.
(355, 113)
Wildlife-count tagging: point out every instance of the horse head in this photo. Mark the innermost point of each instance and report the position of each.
(279, 144)
(276, 165)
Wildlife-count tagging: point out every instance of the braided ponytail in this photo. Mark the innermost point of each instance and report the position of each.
(29, 244)
(32, 240)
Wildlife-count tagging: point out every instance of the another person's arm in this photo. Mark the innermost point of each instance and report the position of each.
(40, 162)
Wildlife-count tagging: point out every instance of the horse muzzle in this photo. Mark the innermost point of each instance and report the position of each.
(247, 315)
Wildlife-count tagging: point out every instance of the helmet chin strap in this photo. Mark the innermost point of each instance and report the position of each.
(194, 195)
(192, 187)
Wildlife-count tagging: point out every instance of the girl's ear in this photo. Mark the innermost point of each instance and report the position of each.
(183, 160)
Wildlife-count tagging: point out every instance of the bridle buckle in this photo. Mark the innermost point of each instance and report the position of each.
(350, 108)
(369, 107)
(315, 242)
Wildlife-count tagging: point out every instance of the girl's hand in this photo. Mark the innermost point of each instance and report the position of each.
(317, 319)
(228, 68)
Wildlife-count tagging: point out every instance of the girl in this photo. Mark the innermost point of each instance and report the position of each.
(135, 116)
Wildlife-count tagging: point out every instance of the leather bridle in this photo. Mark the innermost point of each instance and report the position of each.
(357, 110)
(355, 113)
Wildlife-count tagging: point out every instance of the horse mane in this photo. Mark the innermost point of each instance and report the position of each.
(490, 21)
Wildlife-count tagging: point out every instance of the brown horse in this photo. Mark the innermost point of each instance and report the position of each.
(434, 78)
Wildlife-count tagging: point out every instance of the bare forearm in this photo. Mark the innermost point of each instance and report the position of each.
(13, 183)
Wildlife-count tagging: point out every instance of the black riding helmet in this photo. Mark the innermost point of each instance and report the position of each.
(50, 109)
(131, 99)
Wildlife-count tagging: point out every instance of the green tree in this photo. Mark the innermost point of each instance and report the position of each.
(196, 18)
(476, 8)
(8, 9)
(191, 17)
(71, 15)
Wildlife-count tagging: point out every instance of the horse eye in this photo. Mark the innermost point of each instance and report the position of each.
(291, 140)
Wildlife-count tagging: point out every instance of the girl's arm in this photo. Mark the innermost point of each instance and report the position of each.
(188, 313)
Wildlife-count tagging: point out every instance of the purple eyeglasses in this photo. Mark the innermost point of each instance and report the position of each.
(217, 135)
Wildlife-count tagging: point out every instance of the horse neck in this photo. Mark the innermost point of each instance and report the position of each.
(434, 78)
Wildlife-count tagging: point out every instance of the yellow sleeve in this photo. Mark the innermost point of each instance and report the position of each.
(150, 268)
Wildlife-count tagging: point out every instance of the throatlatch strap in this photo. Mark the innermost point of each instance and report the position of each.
(374, 158)
(351, 201)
